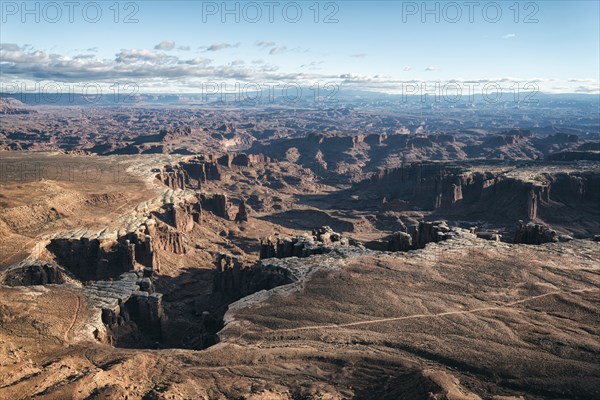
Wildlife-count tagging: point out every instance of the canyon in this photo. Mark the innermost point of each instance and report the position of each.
(281, 258)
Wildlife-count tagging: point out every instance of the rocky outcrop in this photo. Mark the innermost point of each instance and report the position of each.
(565, 238)
(423, 233)
(166, 238)
(243, 211)
(236, 281)
(400, 241)
(173, 177)
(299, 246)
(429, 185)
(30, 273)
(202, 168)
(102, 257)
(172, 133)
(569, 188)
(216, 204)
(182, 216)
(321, 242)
(199, 169)
(513, 194)
(531, 233)
(375, 139)
(13, 106)
(129, 312)
(146, 310)
(228, 274)
(96, 259)
(226, 160)
(133, 243)
(143, 248)
(250, 160)
(326, 235)
(427, 232)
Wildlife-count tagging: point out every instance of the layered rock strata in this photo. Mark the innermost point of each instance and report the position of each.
(320, 242)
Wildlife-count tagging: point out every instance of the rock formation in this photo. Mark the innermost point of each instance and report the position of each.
(30, 273)
(226, 160)
(242, 214)
(181, 216)
(228, 275)
(236, 281)
(127, 309)
(423, 233)
(427, 232)
(103, 257)
(531, 233)
(173, 177)
(250, 160)
(301, 246)
(326, 235)
(166, 238)
(198, 169)
(216, 204)
(169, 134)
(202, 168)
(96, 258)
(400, 241)
(13, 106)
(447, 186)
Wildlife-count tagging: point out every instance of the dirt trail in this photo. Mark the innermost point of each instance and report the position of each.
(75, 317)
(416, 316)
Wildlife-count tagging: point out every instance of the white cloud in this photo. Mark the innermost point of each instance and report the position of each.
(221, 46)
(509, 36)
(577, 80)
(84, 57)
(9, 47)
(197, 61)
(135, 55)
(149, 68)
(588, 89)
(165, 45)
(277, 50)
(312, 65)
(264, 44)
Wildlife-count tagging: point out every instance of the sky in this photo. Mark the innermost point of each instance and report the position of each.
(182, 46)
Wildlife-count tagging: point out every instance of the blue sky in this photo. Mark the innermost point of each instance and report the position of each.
(372, 44)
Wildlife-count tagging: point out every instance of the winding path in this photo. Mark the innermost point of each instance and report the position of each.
(75, 317)
(416, 316)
